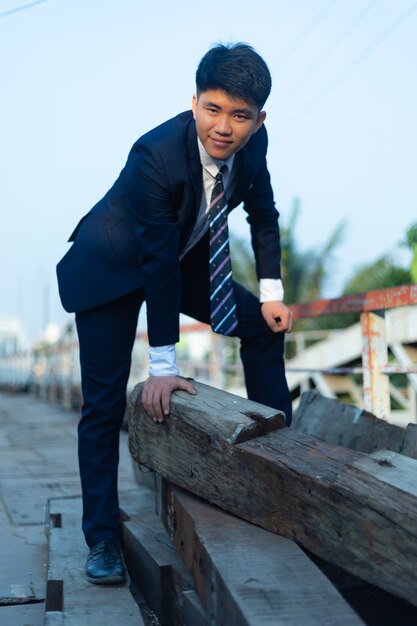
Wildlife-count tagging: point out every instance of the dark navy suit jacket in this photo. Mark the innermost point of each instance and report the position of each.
(133, 237)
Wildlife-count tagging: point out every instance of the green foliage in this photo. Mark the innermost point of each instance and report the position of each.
(305, 272)
(413, 269)
(379, 274)
(243, 263)
(411, 242)
(411, 236)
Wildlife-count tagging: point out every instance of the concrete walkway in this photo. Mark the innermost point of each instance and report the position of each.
(38, 460)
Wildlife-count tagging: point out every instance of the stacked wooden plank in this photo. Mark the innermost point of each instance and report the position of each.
(347, 425)
(356, 510)
(235, 573)
(246, 576)
(153, 563)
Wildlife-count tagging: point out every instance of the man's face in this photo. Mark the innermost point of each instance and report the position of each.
(224, 125)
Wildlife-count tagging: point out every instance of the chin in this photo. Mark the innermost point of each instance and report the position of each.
(219, 153)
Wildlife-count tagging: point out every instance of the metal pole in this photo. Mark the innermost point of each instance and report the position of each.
(374, 358)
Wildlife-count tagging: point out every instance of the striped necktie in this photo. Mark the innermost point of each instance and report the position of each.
(222, 301)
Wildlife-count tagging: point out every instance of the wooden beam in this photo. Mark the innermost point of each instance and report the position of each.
(194, 615)
(347, 425)
(153, 563)
(315, 493)
(246, 576)
(221, 419)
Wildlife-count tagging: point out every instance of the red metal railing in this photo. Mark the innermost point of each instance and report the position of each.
(375, 367)
(59, 362)
(377, 300)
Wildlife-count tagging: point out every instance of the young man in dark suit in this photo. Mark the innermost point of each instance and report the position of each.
(160, 235)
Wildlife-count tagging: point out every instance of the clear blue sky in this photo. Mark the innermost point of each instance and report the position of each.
(81, 80)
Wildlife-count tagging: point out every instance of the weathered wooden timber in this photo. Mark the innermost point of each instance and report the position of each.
(355, 510)
(194, 613)
(245, 575)
(153, 563)
(347, 425)
(70, 599)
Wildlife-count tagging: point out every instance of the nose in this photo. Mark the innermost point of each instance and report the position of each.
(223, 126)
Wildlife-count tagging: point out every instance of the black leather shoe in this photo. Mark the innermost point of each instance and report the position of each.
(105, 564)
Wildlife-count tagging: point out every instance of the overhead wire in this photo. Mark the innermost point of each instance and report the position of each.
(284, 17)
(347, 70)
(321, 58)
(21, 8)
(302, 36)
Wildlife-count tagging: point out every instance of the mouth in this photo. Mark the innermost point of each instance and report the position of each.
(220, 143)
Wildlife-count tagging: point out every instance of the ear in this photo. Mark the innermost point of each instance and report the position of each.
(194, 105)
(260, 120)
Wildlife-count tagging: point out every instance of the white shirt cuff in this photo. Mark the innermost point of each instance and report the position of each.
(270, 290)
(163, 361)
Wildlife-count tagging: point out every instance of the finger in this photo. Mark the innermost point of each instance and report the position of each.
(146, 401)
(273, 324)
(165, 402)
(289, 322)
(282, 325)
(279, 323)
(157, 411)
(286, 322)
(150, 401)
(188, 386)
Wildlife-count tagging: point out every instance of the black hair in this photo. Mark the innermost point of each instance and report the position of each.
(237, 70)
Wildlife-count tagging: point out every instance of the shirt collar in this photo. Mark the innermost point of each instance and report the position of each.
(213, 165)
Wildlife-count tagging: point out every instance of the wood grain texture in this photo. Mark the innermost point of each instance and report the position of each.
(153, 563)
(194, 615)
(246, 576)
(219, 420)
(347, 425)
(292, 484)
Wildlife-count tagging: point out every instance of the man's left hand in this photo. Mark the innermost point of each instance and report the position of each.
(278, 316)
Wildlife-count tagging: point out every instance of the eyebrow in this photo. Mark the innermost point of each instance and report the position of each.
(247, 112)
(244, 110)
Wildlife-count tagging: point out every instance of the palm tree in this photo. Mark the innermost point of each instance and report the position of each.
(243, 263)
(380, 274)
(411, 242)
(304, 273)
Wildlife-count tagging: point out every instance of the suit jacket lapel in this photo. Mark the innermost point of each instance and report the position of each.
(243, 178)
(194, 164)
